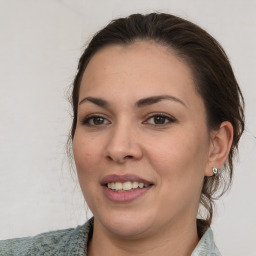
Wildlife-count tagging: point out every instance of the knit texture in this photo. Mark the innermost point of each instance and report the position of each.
(73, 242)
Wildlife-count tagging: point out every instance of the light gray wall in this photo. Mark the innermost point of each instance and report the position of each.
(40, 43)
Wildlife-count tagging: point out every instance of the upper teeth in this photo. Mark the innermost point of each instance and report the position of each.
(128, 185)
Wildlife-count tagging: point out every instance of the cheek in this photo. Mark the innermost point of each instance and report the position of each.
(179, 163)
(180, 157)
(87, 155)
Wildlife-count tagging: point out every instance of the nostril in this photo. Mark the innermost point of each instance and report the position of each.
(120, 159)
(109, 158)
(128, 157)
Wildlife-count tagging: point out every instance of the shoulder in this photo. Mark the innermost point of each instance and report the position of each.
(36, 245)
(71, 241)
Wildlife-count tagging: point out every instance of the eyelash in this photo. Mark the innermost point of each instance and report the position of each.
(87, 120)
(167, 120)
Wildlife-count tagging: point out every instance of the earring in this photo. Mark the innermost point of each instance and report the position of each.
(215, 171)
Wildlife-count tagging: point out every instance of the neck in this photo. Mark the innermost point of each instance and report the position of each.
(171, 240)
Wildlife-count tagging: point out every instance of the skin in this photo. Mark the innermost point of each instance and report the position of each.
(174, 152)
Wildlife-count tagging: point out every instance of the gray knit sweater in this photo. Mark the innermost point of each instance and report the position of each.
(73, 242)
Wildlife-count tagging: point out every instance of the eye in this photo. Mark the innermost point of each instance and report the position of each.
(95, 121)
(160, 120)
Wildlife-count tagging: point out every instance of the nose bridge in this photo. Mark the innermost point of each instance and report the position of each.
(123, 142)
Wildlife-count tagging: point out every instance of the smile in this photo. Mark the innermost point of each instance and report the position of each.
(126, 186)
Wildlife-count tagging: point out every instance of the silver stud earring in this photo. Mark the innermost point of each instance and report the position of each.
(215, 171)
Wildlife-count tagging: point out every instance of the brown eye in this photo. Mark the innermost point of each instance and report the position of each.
(160, 120)
(95, 121)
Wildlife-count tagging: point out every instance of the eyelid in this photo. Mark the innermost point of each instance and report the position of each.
(170, 118)
(164, 115)
(86, 119)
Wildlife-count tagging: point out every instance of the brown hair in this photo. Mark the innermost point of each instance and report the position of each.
(213, 75)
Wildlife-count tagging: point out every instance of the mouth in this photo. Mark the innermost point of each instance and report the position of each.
(124, 188)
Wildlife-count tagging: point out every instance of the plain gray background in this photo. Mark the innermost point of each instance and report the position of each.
(40, 43)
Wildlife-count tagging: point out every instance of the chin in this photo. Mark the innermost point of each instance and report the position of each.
(126, 225)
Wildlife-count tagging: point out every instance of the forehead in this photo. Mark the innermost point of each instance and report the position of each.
(143, 67)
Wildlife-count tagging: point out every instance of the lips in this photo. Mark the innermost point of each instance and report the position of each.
(124, 188)
(124, 178)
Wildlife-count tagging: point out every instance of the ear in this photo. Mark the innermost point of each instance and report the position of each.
(220, 144)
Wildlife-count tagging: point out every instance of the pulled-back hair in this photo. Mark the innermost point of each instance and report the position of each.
(212, 72)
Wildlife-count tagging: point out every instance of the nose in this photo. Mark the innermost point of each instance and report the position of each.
(123, 144)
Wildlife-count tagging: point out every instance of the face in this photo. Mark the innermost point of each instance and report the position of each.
(141, 143)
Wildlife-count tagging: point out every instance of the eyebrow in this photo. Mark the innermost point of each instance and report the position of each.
(155, 99)
(97, 101)
(140, 103)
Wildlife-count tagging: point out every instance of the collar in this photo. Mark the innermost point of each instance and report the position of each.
(205, 247)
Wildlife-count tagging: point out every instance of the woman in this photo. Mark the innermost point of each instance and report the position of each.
(158, 115)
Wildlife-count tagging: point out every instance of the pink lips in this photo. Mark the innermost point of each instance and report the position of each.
(123, 178)
(127, 196)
